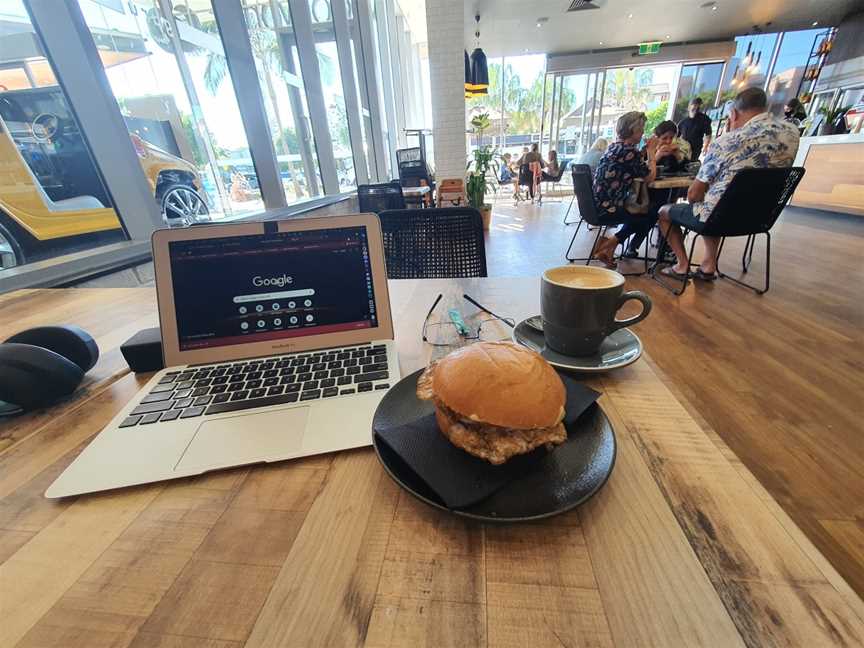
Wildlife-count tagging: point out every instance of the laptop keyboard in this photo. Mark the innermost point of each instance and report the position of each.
(247, 384)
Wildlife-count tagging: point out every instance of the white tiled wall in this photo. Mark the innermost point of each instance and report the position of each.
(444, 23)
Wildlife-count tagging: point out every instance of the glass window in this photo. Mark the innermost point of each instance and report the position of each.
(53, 200)
(171, 79)
(413, 61)
(490, 104)
(523, 100)
(575, 103)
(647, 89)
(331, 86)
(697, 81)
(749, 65)
(792, 59)
(271, 35)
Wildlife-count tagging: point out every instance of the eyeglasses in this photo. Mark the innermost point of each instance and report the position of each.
(454, 331)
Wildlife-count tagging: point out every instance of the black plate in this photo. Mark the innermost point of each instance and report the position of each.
(563, 479)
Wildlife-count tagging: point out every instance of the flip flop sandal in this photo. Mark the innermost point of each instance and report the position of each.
(669, 271)
(704, 276)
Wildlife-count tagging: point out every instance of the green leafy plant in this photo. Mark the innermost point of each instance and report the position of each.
(475, 187)
(832, 115)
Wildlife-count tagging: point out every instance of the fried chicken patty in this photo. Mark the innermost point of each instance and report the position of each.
(492, 443)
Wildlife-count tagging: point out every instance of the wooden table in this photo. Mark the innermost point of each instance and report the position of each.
(675, 182)
(682, 547)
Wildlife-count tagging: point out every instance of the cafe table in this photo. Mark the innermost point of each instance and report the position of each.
(682, 547)
(672, 182)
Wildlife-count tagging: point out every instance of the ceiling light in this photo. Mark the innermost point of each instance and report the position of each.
(629, 15)
(601, 42)
(815, 22)
(668, 37)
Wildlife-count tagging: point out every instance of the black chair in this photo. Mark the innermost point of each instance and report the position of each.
(380, 197)
(588, 213)
(554, 180)
(433, 243)
(573, 198)
(526, 179)
(751, 205)
(414, 172)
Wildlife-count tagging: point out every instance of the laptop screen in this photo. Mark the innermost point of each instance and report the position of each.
(241, 289)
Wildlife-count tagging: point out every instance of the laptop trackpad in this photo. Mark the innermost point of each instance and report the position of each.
(246, 438)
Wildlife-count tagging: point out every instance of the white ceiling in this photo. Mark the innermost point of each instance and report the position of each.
(509, 27)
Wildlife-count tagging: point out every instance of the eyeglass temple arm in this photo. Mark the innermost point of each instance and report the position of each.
(429, 314)
(486, 310)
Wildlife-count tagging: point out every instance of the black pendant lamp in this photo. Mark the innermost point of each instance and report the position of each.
(478, 83)
(468, 85)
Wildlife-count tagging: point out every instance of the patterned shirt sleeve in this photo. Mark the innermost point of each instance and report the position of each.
(711, 164)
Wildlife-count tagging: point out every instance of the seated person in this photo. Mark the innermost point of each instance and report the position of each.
(506, 173)
(673, 154)
(531, 157)
(756, 139)
(795, 112)
(552, 168)
(592, 156)
(613, 179)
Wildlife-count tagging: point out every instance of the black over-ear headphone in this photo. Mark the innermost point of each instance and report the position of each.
(40, 365)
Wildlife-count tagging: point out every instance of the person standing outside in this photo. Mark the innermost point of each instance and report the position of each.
(696, 128)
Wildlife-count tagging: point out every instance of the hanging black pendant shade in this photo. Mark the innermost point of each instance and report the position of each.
(479, 72)
(468, 91)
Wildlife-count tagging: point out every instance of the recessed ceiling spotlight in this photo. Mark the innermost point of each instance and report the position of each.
(815, 22)
(714, 8)
(629, 15)
(668, 37)
(601, 42)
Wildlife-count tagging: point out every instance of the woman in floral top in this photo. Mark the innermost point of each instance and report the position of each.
(613, 179)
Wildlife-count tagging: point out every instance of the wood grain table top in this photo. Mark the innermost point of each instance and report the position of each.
(682, 547)
(680, 182)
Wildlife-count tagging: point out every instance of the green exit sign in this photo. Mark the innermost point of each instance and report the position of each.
(652, 47)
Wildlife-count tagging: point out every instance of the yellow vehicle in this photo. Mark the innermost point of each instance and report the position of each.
(52, 198)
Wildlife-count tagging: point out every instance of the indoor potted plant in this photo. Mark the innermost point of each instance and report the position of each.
(830, 118)
(475, 186)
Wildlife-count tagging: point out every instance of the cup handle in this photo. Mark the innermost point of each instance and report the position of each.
(627, 296)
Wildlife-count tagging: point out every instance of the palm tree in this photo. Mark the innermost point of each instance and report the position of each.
(627, 88)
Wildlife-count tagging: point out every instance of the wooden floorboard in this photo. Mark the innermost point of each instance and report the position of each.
(778, 376)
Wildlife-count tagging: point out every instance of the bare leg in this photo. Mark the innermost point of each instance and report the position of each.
(709, 261)
(672, 233)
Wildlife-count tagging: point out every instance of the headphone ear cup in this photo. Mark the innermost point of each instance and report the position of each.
(33, 377)
(71, 342)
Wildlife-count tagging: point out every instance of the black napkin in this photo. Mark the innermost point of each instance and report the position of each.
(458, 478)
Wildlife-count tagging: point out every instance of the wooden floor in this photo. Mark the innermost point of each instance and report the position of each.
(780, 376)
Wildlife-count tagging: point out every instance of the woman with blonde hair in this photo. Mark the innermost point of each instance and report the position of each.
(592, 156)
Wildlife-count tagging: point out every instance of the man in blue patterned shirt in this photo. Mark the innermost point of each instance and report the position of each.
(756, 139)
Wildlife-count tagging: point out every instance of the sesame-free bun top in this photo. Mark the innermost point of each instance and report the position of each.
(500, 383)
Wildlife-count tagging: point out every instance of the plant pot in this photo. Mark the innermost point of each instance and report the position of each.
(826, 129)
(486, 215)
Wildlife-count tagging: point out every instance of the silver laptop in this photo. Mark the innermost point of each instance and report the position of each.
(278, 343)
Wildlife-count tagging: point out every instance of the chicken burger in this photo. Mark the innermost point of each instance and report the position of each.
(496, 400)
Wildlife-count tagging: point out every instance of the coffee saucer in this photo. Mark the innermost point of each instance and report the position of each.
(618, 350)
